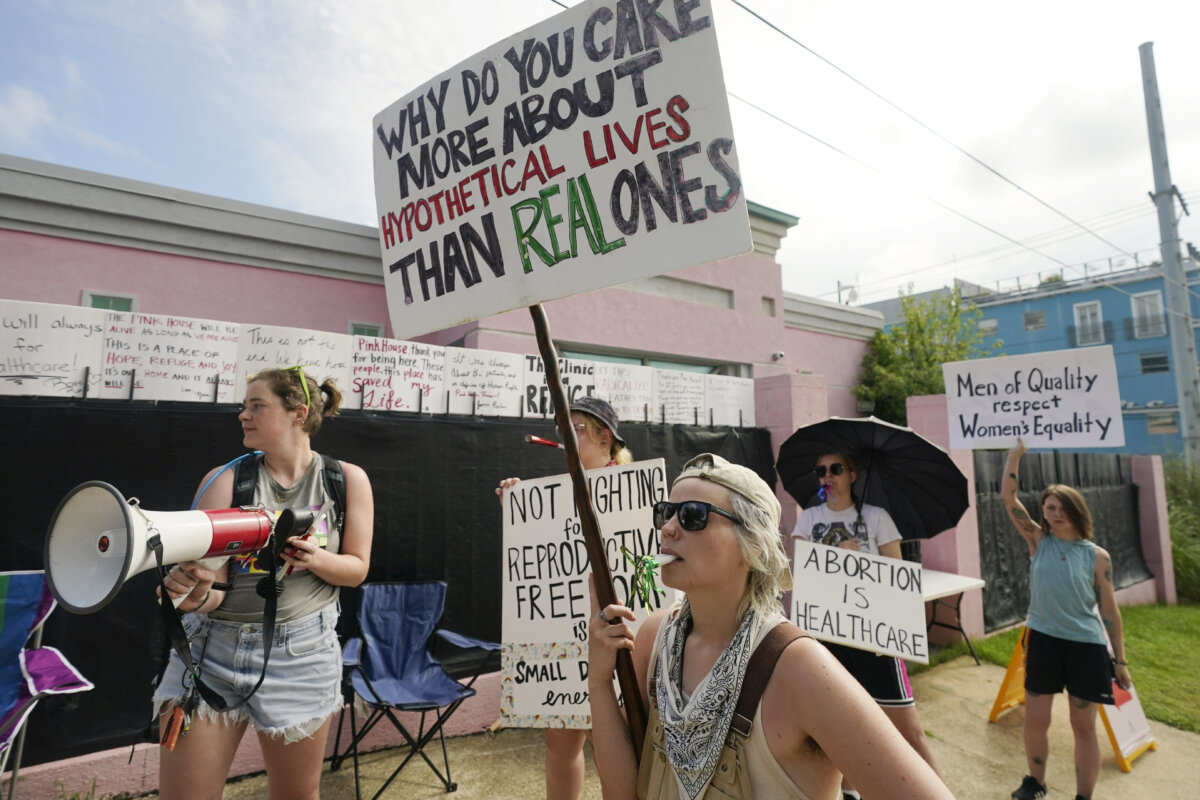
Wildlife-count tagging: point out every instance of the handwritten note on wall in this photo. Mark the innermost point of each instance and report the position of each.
(46, 350)
(679, 397)
(393, 375)
(322, 354)
(629, 388)
(485, 383)
(169, 358)
(731, 400)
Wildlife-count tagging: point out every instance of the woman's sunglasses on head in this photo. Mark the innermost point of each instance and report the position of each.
(692, 515)
(834, 469)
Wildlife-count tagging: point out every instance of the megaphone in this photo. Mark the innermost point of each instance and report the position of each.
(98, 540)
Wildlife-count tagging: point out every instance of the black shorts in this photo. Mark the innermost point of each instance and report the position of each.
(884, 677)
(1084, 669)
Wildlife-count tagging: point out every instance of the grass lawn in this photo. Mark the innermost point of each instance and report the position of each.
(1161, 644)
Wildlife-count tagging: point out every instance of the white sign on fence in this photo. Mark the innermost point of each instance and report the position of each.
(545, 605)
(391, 375)
(589, 150)
(1060, 399)
(323, 354)
(47, 349)
(861, 600)
(169, 358)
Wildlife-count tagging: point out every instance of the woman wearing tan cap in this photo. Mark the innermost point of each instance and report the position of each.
(812, 720)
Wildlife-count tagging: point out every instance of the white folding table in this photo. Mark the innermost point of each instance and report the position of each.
(946, 589)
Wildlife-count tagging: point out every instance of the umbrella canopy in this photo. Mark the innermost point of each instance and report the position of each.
(897, 469)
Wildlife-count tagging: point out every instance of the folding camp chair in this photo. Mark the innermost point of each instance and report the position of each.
(390, 669)
(27, 673)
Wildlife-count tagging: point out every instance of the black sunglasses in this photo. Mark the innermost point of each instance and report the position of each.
(836, 468)
(693, 514)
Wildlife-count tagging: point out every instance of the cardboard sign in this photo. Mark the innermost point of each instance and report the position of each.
(169, 358)
(730, 400)
(1060, 399)
(47, 350)
(546, 602)
(870, 602)
(590, 150)
(578, 380)
(679, 397)
(627, 387)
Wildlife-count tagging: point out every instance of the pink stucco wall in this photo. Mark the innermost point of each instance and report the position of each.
(48, 269)
(837, 359)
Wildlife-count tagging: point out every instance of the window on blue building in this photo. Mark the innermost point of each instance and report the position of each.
(1089, 326)
(988, 327)
(1148, 317)
(1035, 320)
(1163, 424)
(1155, 362)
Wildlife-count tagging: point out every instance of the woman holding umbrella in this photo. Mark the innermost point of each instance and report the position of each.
(842, 521)
(1067, 646)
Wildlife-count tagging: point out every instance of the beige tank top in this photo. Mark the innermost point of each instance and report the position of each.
(767, 778)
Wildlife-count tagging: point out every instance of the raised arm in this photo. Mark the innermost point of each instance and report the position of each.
(1110, 615)
(1030, 531)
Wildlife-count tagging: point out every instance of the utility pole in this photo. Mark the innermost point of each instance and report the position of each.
(1179, 309)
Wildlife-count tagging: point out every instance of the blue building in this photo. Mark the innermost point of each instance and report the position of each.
(1123, 308)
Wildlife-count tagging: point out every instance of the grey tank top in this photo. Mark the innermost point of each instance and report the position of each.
(303, 592)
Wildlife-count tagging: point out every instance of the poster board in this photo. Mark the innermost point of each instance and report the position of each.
(161, 357)
(1064, 399)
(591, 149)
(861, 600)
(1127, 727)
(678, 397)
(47, 350)
(546, 601)
(394, 375)
(578, 380)
(484, 383)
(628, 388)
(730, 400)
(322, 354)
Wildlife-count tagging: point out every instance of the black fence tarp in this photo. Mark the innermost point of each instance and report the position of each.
(1105, 483)
(436, 518)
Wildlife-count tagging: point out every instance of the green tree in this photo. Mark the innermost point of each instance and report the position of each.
(906, 359)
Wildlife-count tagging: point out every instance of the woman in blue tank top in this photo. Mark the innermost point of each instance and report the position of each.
(1069, 576)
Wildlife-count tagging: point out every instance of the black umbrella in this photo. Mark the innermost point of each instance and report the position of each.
(911, 478)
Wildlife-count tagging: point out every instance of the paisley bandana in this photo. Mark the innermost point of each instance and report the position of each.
(695, 729)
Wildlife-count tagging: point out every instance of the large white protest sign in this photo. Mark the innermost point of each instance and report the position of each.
(592, 149)
(627, 387)
(679, 397)
(50, 350)
(546, 602)
(1058, 399)
(861, 600)
(160, 357)
(485, 383)
(578, 380)
(730, 400)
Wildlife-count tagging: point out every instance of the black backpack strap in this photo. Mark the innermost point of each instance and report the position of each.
(335, 486)
(758, 672)
(245, 476)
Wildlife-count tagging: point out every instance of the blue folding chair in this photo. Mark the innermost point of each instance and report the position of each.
(389, 667)
(28, 671)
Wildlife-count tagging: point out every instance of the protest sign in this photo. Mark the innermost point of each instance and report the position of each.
(546, 602)
(392, 375)
(485, 383)
(870, 602)
(323, 354)
(730, 400)
(169, 358)
(578, 380)
(47, 350)
(626, 387)
(592, 149)
(679, 397)
(1058, 399)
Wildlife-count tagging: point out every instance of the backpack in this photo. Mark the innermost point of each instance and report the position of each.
(245, 476)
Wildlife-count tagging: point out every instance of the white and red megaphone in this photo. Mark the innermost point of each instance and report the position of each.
(98, 540)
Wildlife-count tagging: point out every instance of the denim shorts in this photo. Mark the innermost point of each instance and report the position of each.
(302, 687)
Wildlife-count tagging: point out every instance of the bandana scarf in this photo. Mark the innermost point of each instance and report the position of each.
(695, 731)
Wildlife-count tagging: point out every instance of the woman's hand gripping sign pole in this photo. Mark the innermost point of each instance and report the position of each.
(635, 713)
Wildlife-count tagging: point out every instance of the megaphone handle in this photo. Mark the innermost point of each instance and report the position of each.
(212, 564)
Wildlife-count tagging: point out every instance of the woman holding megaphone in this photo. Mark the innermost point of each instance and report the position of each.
(300, 689)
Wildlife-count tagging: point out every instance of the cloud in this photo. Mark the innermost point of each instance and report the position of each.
(24, 114)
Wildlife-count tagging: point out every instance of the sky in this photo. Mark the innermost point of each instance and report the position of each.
(865, 119)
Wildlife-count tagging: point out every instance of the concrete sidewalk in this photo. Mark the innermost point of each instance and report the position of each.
(978, 759)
